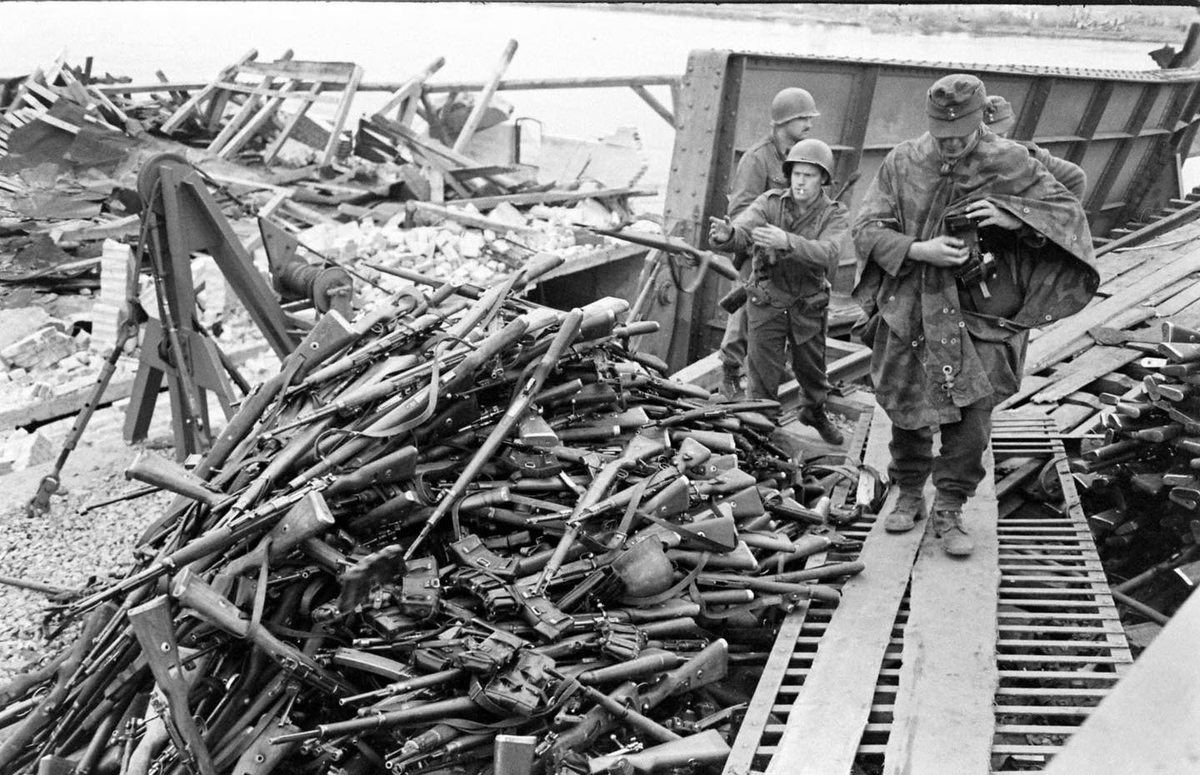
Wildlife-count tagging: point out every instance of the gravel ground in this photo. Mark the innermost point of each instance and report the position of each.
(65, 548)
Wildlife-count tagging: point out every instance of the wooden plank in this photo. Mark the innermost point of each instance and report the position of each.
(943, 719)
(485, 97)
(1046, 350)
(180, 115)
(292, 120)
(339, 119)
(1092, 365)
(1178, 302)
(822, 735)
(252, 126)
(244, 114)
(329, 72)
(411, 90)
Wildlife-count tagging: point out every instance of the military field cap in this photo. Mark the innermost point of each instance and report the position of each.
(998, 115)
(955, 105)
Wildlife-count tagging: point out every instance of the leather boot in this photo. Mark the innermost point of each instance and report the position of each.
(910, 507)
(731, 384)
(948, 526)
(816, 417)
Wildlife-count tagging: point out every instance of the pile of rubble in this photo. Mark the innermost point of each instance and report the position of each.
(465, 532)
(387, 195)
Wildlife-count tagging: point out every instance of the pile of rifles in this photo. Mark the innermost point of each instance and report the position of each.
(466, 533)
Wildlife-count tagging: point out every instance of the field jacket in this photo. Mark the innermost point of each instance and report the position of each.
(938, 346)
(798, 278)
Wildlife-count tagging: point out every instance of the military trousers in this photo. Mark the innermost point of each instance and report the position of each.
(733, 342)
(957, 469)
(772, 333)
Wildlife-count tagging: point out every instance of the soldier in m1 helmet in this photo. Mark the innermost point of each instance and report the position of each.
(794, 237)
(760, 170)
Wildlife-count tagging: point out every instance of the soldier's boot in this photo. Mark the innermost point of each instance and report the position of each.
(948, 526)
(731, 384)
(910, 507)
(816, 417)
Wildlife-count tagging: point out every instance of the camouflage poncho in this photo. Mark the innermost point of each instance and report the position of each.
(937, 347)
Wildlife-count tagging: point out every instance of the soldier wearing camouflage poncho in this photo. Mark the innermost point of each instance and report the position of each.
(946, 350)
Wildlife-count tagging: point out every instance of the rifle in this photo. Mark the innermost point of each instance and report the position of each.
(412, 306)
(700, 749)
(768, 584)
(18, 741)
(640, 447)
(706, 259)
(149, 468)
(308, 518)
(215, 540)
(214, 608)
(430, 711)
(707, 666)
(153, 626)
(567, 332)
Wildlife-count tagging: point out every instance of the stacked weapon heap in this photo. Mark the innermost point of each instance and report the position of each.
(466, 533)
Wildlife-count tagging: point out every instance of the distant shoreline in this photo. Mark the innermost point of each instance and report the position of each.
(1151, 24)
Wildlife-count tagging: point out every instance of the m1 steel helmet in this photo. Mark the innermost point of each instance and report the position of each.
(792, 103)
(810, 151)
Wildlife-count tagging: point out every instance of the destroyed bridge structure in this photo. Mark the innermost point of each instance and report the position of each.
(481, 512)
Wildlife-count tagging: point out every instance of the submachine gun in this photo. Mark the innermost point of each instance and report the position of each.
(180, 218)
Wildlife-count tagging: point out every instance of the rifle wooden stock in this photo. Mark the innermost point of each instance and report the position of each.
(715, 441)
(640, 447)
(409, 305)
(149, 468)
(216, 609)
(392, 468)
(309, 517)
(153, 626)
(762, 584)
(821, 572)
(567, 332)
(700, 749)
(708, 666)
(638, 667)
(262, 757)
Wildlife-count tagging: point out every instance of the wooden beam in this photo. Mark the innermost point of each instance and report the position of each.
(943, 719)
(822, 736)
(512, 84)
(178, 117)
(654, 104)
(485, 97)
(411, 90)
(292, 120)
(339, 119)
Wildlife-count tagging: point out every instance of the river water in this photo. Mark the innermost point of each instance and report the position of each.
(191, 41)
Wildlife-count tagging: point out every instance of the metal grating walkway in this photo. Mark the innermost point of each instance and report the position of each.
(1059, 645)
